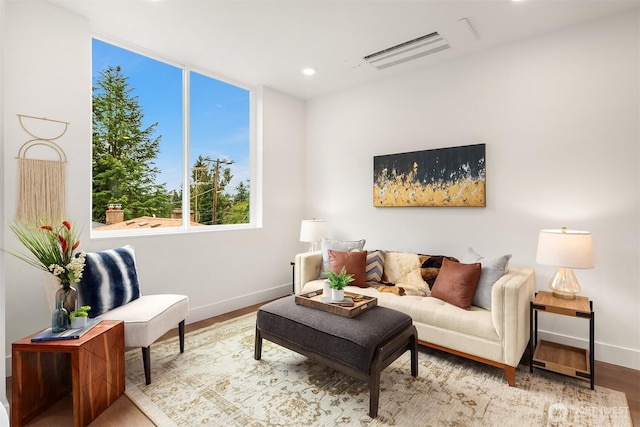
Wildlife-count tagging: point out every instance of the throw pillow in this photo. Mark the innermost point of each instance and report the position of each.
(109, 280)
(493, 268)
(403, 269)
(337, 245)
(375, 266)
(353, 262)
(430, 267)
(456, 283)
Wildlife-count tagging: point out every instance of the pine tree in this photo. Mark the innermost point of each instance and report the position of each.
(123, 152)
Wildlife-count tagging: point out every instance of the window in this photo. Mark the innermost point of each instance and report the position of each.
(152, 121)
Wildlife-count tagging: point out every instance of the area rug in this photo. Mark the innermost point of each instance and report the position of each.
(217, 382)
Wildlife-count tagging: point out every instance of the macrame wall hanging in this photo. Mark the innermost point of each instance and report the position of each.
(41, 182)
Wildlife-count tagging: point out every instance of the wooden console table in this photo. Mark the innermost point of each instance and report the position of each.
(91, 368)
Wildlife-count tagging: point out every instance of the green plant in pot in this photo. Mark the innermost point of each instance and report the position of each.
(337, 282)
(79, 317)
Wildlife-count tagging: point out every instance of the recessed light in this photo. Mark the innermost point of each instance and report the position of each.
(308, 71)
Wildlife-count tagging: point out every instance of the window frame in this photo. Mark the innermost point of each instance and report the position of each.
(255, 187)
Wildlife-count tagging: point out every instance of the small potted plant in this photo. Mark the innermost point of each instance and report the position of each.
(337, 282)
(79, 317)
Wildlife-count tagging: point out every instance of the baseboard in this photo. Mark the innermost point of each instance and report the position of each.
(616, 355)
(221, 307)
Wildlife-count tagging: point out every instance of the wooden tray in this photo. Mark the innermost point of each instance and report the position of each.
(361, 303)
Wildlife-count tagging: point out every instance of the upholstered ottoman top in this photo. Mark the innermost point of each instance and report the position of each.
(352, 341)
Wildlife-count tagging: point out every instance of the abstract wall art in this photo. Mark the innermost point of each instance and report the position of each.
(454, 176)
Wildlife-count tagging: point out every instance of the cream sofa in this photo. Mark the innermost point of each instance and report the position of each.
(498, 337)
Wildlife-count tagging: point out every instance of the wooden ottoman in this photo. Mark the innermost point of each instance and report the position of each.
(361, 346)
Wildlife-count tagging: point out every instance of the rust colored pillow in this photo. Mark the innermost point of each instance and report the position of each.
(456, 283)
(355, 263)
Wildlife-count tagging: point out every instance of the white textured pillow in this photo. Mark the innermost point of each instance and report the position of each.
(493, 268)
(403, 269)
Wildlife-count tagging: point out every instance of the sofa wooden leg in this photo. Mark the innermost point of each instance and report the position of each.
(146, 361)
(510, 372)
(181, 335)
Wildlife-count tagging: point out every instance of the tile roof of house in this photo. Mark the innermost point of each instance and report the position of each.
(144, 222)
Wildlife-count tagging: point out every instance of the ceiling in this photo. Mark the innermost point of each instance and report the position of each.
(265, 42)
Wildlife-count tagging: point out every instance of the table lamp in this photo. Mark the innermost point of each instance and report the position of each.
(312, 230)
(565, 249)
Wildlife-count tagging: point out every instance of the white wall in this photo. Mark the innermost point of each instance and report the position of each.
(559, 116)
(3, 389)
(48, 74)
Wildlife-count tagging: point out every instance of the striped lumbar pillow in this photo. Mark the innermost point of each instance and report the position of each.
(109, 280)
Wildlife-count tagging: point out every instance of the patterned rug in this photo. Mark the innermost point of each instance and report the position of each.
(217, 382)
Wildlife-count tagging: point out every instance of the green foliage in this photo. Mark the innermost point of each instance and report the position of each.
(339, 280)
(80, 312)
(238, 209)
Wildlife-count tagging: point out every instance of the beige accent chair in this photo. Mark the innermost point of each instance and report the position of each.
(146, 318)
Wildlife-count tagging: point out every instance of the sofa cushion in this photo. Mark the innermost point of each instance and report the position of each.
(353, 262)
(149, 317)
(430, 267)
(375, 266)
(434, 312)
(109, 280)
(493, 268)
(403, 269)
(337, 245)
(456, 283)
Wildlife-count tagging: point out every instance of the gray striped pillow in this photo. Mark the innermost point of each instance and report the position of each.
(375, 266)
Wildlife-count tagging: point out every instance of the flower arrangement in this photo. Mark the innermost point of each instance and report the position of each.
(51, 249)
(339, 280)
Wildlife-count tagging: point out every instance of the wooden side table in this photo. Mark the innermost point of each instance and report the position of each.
(572, 361)
(91, 368)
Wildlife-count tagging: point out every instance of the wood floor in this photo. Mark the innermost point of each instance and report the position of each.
(124, 412)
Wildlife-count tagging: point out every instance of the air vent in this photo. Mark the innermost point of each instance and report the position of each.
(408, 51)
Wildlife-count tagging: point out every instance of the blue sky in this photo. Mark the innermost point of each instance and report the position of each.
(219, 125)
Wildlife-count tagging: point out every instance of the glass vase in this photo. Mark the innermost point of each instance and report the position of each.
(69, 297)
(59, 319)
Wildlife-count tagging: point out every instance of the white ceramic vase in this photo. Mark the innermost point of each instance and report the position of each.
(326, 289)
(79, 322)
(337, 294)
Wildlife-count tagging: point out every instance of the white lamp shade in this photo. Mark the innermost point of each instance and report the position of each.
(565, 248)
(311, 230)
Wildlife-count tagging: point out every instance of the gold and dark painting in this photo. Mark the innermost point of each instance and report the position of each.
(454, 176)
